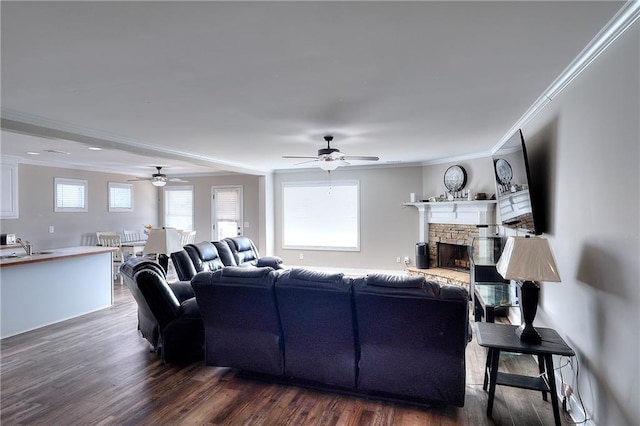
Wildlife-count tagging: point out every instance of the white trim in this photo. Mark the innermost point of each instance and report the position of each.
(626, 16)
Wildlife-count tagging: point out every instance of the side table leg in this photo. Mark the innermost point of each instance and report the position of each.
(542, 371)
(486, 368)
(552, 388)
(495, 357)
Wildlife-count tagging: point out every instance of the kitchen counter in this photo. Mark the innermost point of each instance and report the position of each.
(52, 286)
(21, 257)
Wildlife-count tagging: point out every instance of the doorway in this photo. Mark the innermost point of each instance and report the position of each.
(226, 212)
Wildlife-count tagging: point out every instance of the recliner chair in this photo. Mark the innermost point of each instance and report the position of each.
(168, 314)
(318, 327)
(196, 258)
(412, 334)
(245, 253)
(240, 315)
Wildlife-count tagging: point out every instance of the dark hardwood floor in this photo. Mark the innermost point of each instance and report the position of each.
(97, 370)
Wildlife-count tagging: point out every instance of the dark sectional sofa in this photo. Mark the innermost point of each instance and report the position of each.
(384, 336)
(394, 337)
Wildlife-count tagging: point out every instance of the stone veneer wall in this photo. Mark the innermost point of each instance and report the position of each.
(450, 234)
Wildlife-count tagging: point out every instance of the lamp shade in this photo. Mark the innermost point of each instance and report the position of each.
(163, 241)
(527, 259)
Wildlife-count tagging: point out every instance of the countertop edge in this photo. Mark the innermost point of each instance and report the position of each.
(56, 254)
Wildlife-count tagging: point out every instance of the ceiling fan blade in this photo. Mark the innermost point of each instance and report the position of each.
(138, 179)
(360, 157)
(299, 156)
(307, 162)
(177, 180)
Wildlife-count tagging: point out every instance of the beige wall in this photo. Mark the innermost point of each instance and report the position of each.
(480, 177)
(387, 229)
(72, 229)
(202, 199)
(584, 150)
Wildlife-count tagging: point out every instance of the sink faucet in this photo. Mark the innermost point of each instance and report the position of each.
(26, 245)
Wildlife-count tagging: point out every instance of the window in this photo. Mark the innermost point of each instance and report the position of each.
(70, 195)
(120, 197)
(178, 207)
(321, 215)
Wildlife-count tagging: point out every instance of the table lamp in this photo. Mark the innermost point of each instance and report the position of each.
(526, 260)
(163, 241)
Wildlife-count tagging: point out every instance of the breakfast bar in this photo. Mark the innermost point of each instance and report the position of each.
(51, 286)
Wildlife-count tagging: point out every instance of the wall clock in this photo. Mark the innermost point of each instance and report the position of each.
(455, 178)
(504, 173)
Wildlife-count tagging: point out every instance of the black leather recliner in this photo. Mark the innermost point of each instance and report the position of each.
(240, 314)
(412, 334)
(168, 314)
(245, 253)
(318, 327)
(211, 256)
(196, 258)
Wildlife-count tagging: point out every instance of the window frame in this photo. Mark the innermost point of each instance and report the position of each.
(323, 220)
(68, 181)
(118, 185)
(176, 188)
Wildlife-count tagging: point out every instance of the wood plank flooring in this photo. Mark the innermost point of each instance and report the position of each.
(97, 370)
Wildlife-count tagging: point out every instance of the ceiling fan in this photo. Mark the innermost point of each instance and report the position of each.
(159, 178)
(331, 158)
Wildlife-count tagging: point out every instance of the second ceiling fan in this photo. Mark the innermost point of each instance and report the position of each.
(159, 178)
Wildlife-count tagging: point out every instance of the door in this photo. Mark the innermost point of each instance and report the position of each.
(226, 211)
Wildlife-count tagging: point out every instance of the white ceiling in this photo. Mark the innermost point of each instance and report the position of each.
(209, 86)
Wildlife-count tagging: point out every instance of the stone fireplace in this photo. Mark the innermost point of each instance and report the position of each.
(453, 223)
(451, 235)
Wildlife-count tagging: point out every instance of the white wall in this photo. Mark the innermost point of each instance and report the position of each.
(388, 229)
(584, 150)
(36, 189)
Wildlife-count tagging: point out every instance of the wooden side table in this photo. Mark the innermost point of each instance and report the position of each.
(502, 337)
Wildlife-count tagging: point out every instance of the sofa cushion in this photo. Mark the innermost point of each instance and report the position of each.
(225, 253)
(204, 256)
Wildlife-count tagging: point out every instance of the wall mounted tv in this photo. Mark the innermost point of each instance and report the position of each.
(513, 186)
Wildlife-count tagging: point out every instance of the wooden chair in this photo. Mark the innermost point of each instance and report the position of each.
(133, 243)
(129, 236)
(188, 237)
(113, 239)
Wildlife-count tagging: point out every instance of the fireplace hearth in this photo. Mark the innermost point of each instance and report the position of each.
(453, 256)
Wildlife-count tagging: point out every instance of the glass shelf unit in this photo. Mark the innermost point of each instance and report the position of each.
(491, 294)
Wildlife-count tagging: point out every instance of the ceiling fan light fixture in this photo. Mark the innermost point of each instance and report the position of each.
(158, 181)
(329, 165)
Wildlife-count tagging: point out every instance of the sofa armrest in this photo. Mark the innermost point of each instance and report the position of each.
(273, 261)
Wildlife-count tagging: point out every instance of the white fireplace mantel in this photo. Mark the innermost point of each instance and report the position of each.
(478, 212)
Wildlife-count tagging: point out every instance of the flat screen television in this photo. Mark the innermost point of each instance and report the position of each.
(513, 186)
